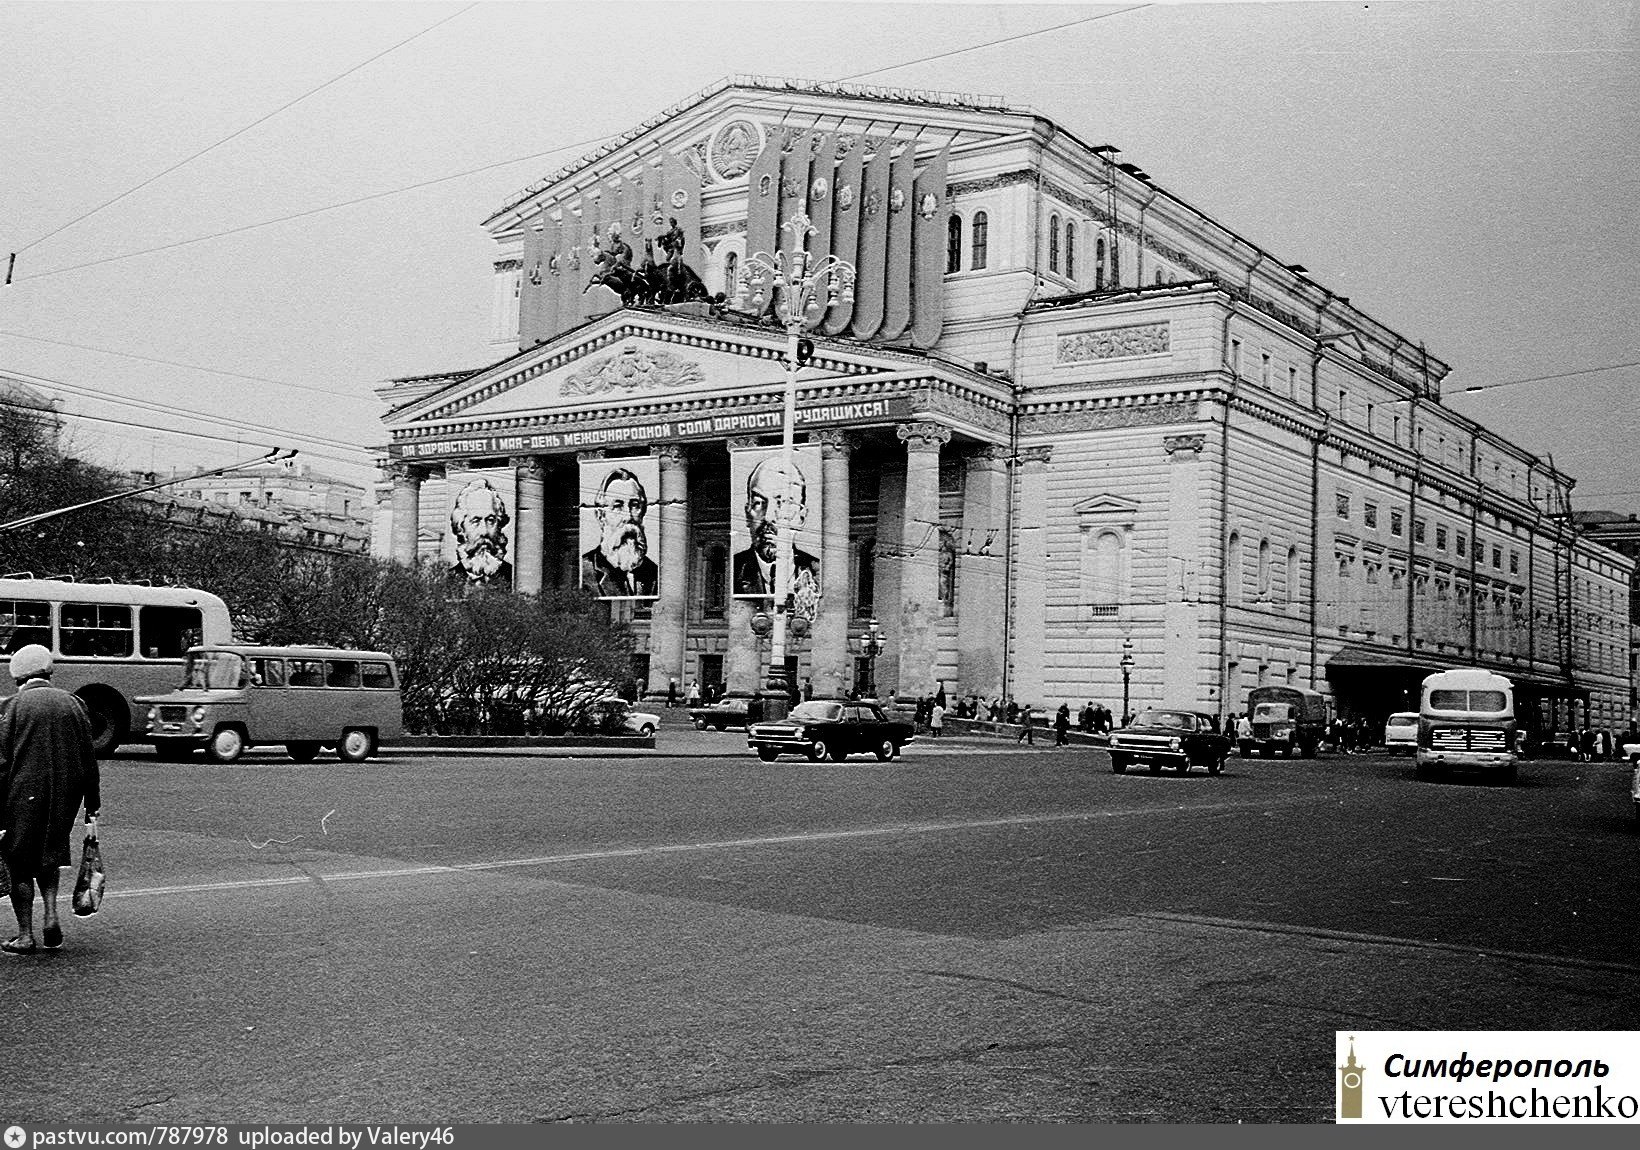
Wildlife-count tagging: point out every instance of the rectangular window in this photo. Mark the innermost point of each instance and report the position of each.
(1514, 562)
(1370, 409)
(1462, 542)
(1396, 428)
(1418, 530)
(168, 632)
(1497, 557)
(341, 673)
(1396, 522)
(1343, 505)
(1292, 383)
(24, 621)
(376, 675)
(1264, 369)
(1440, 537)
(1369, 514)
(1235, 358)
(96, 630)
(1343, 404)
(267, 672)
(307, 673)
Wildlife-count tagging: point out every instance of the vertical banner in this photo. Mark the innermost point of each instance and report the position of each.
(477, 543)
(596, 237)
(763, 205)
(573, 271)
(873, 263)
(616, 548)
(532, 282)
(928, 252)
(763, 497)
(552, 270)
(901, 216)
(845, 224)
(630, 214)
(680, 199)
(822, 180)
(794, 188)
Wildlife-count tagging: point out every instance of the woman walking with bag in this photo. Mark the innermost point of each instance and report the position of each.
(47, 765)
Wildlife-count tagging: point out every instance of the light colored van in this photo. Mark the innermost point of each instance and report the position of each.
(1401, 733)
(307, 698)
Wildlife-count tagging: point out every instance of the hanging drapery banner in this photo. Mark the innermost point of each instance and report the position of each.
(616, 550)
(478, 531)
(901, 217)
(929, 252)
(595, 243)
(675, 214)
(822, 181)
(764, 500)
(872, 266)
(532, 284)
(763, 206)
(552, 267)
(794, 187)
(845, 223)
(573, 269)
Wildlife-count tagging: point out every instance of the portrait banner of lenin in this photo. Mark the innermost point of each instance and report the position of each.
(620, 527)
(764, 499)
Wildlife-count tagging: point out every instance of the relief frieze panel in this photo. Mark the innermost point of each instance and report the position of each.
(933, 401)
(1104, 418)
(634, 369)
(1113, 343)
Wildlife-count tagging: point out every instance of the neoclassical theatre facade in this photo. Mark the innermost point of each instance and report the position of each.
(1060, 410)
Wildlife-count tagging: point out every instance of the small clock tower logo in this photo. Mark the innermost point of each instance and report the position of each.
(1349, 1086)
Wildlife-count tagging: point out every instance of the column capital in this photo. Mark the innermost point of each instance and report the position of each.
(1190, 444)
(590, 456)
(834, 444)
(923, 435)
(744, 442)
(400, 471)
(1035, 456)
(529, 466)
(989, 457)
(670, 454)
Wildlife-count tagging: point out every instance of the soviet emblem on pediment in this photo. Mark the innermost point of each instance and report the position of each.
(634, 369)
(735, 149)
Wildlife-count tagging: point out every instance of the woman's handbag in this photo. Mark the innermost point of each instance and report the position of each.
(88, 888)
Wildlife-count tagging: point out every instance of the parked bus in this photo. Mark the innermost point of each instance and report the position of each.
(110, 642)
(1466, 720)
(306, 698)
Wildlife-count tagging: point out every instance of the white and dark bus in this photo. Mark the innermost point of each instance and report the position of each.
(110, 642)
(1466, 721)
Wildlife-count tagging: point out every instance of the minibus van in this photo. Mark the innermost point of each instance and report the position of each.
(234, 697)
(1466, 720)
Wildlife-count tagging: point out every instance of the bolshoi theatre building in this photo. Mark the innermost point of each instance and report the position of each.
(1062, 414)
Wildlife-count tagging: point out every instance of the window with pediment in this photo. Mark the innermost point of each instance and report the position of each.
(1106, 524)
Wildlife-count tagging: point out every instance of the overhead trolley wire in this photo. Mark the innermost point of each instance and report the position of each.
(241, 131)
(991, 43)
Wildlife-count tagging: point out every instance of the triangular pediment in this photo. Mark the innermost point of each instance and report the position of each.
(1106, 506)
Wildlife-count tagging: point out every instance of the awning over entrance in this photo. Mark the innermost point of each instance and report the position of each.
(1358, 658)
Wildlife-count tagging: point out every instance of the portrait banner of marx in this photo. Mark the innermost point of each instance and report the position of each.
(765, 498)
(616, 520)
(478, 542)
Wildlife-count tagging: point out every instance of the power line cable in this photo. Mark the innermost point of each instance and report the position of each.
(1542, 378)
(991, 43)
(240, 132)
(190, 366)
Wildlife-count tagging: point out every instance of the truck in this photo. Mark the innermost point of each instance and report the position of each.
(1286, 721)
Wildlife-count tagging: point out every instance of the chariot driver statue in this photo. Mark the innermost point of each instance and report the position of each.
(673, 242)
(614, 263)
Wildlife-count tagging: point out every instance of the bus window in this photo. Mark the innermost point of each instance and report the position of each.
(307, 673)
(96, 630)
(339, 673)
(377, 675)
(267, 672)
(168, 632)
(24, 621)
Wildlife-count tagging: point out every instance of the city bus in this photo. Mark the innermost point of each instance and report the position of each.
(110, 642)
(1466, 720)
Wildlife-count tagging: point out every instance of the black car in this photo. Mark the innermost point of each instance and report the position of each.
(830, 729)
(729, 711)
(1177, 739)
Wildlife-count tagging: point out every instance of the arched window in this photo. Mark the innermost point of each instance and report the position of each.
(1264, 569)
(953, 244)
(1232, 570)
(1106, 590)
(1070, 250)
(715, 582)
(865, 579)
(1099, 263)
(948, 574)
(1290, 591)
(731, 275)
(1053, 242)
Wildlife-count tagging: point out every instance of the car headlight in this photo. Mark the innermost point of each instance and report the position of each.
(153, 713)
(1175, 743)
(802, 732)
(199, 714)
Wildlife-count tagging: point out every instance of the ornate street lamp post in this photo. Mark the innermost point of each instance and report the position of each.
(801, 288)
(1127, 674)
(871, 645)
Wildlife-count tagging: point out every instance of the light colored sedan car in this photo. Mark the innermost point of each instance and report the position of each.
(1401, 733)
(632, 722)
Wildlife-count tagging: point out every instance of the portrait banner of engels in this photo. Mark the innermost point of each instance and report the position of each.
(478, 542)
(763, 496)
(616, 501)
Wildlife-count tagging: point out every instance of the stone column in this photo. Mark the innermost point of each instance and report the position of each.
(982, 606)
(529, 538)
(920, 555)
(406, 512)
(667, 618)
(830, 659)
(1031, 577)
(886, 571)
(1181, 656)
(745, 663)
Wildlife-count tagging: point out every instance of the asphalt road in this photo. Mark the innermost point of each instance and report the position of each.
(976, 932)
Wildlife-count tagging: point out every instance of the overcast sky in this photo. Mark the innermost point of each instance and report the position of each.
(1468, 173)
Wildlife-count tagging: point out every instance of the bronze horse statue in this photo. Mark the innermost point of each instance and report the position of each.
(671, 282)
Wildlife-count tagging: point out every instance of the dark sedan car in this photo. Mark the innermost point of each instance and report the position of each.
(830, 729)
(1177, 739)
(729, 711)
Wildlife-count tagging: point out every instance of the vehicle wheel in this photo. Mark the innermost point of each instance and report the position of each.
(767, 754)
(818, 751)
(886, 751)
(700, 724)
(304, 752)
(1118, 764)
(356, 746)
(110, 720)
(648, 731)
(225, 746)
(1216, 767)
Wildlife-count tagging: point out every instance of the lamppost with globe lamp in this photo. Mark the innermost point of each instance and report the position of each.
(1127, 674)
(871, 645)
(801, 288)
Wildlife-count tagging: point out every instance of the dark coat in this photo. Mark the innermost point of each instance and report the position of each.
(47, 766)
(748, 576)
(608, 581)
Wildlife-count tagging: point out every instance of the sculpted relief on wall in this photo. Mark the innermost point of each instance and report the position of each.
(1113, 343)
(633, 369)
